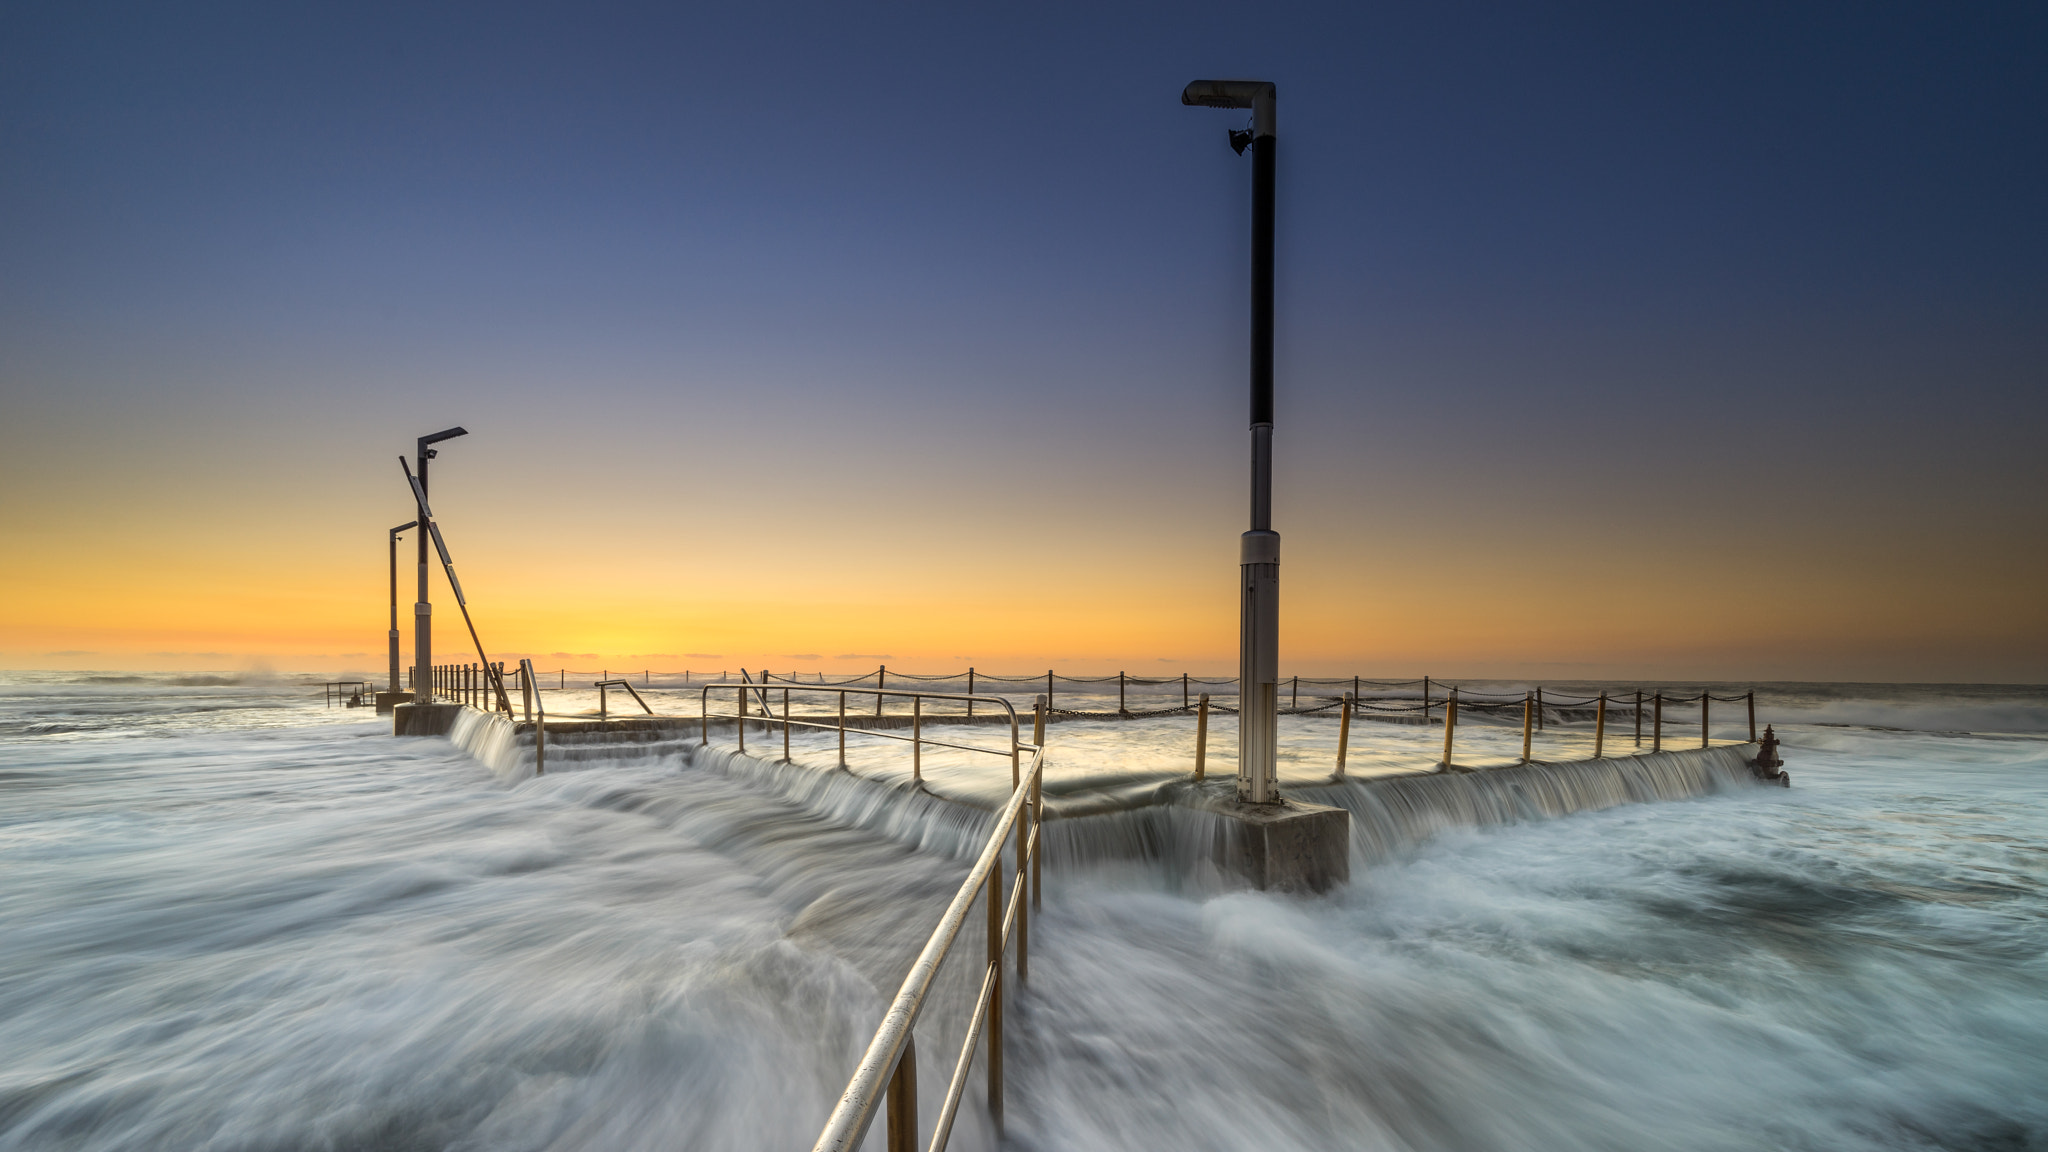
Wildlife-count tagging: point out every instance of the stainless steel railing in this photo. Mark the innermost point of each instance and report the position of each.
(601, 685)
(917, 739)
(886, 1077)
(529, 691)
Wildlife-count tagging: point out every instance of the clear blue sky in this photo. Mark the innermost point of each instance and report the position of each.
(1591, 286)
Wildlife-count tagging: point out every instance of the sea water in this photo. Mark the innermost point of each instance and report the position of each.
(234, 919)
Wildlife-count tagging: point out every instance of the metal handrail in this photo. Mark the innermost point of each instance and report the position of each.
(601, 685)
(917, 740)
(889, 1064)
(530, 692)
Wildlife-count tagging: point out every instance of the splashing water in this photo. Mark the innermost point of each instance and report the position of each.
(233, 921)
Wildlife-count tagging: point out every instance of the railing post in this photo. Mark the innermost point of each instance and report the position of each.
(1600, 726)
(995, 997)
(970, 692)
(881, 682)
(741, 693)
(1539, 709)
(1119, 693)
(1183, 691)
(903, 1100)
(1202, 737)
(1639, 717)
(1294, 695)
(842, 729)
(1343, 736)
(1657, 725)
(1425, 699)
(601, 715)
(916, 738)
(785, 726)
(1023, 906)
(1450, 724)
(1048, 689)
(1038, 795)
(1705, 699)
(1751, 699)
(1528, 713)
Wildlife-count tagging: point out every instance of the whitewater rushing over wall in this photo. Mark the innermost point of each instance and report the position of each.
(1164, 825)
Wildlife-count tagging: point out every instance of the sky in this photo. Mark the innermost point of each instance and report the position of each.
(1616, 341)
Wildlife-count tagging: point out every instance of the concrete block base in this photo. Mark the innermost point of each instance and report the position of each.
(387, 700)
(1289, 846)
(423, 719)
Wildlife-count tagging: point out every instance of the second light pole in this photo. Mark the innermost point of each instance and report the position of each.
(1258, 653)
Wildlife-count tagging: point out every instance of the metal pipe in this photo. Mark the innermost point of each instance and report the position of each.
(1343, 736)
(903, 1100)
(1450, 724)
(993, 1062)
(1528, 711)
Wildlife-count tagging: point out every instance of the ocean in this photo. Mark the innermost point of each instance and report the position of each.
(234, 919)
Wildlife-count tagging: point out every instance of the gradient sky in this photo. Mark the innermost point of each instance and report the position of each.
(1628, 340)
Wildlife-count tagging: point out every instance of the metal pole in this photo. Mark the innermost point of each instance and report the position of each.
(1528, 709)
(1450, 724)
(785, 725)
(1751, 699)
(1705, 699)
(1539, 709)
(1258, 658)
(970, 691)
(1183, 691)
(1294, 695)
(1343, 735)
(903, 1100)
(1038, 798)
(1425, 699)
(1048, 688)
(1600, 726)
(1119, 693)
(1202, 737)
(1657, 726)
(741, 727)
(881, 681)
(842, 729)
(1639, 717)
(995, 996)
(917, 738)
(394, 601)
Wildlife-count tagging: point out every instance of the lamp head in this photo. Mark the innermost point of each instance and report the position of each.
(1257, 95)
(427, 453)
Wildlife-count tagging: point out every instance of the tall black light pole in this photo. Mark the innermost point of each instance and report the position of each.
(423, 609)
(1258, 653)
(405, 527)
